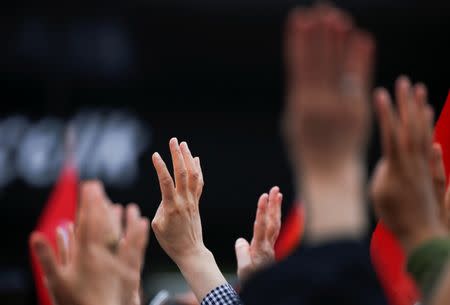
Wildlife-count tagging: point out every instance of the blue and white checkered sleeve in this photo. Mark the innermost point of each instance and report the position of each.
(222, 295)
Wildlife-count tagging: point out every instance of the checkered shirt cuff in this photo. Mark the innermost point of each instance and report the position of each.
(222, 295)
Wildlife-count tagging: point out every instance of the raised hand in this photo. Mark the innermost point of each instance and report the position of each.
(327, 117)
(177, 223)
(402, 187)
(329, 65)
(91, 268)
(260, 252)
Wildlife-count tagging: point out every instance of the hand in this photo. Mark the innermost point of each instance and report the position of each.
(329, 64)
(92, 266)
(260, 253)
(177, 223)
(402, 186)
(131, 240)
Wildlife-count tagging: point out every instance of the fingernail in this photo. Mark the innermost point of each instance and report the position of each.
(240, 242)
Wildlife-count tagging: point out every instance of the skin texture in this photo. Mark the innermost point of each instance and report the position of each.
(414, 215)
(93, 265)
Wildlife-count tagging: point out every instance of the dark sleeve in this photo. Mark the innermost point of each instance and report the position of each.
(427, 262)
(337, 272)
(222, 295)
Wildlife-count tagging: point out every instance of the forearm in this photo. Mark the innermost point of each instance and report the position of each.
(201, 272)
(335, 202)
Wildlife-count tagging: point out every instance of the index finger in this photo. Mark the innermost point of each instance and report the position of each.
(165, 180)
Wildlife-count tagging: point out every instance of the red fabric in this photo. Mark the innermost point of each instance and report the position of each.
(291, 232)
(442, 134)
(60, 208)
(387, 255)
(389, 259)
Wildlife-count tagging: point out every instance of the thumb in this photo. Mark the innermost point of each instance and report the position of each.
(45, 256)
(244, 260)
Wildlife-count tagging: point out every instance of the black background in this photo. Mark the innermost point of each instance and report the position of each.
(209, 72)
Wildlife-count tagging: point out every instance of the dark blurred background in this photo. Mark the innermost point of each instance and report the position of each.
(131, 74)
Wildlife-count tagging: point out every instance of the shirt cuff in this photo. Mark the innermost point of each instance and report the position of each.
(427, 262)
(222, 295)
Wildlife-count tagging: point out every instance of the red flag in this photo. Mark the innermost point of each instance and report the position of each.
(442, 135)
(387, 255)
(60, 209)
(291, 232)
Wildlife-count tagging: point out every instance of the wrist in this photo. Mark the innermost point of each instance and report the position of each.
(201, 272)
(422, 235)
(335, 202)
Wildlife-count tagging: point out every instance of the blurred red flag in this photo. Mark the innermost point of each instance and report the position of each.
(442, 135)
(291, 232)
(387, 255)
(59, 210)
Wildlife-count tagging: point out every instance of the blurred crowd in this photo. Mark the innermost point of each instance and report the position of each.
(327, 117)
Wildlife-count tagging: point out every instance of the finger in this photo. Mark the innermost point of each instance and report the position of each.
(297, 48)
(403, 97)
(243, 257)
(99, 221)
(314, 42)
(132, 216)
(420, 98)
(71, 242)
(420, 94)
(82, 227)
(429, 122)
(438, 172)
(386, 120)
(201, 182)
(323, 42)
(341, 25)
(192, 169)
(179, 166)
(135, 237)
(259, 227)
(165, 180)
(274, 219)
(62, 245)
(117, 214)
(46, 257)
(359, 62)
